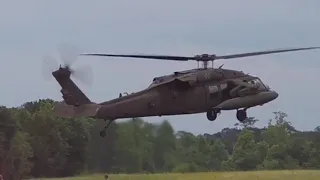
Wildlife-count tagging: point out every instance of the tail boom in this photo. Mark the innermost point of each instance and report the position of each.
(64, 110)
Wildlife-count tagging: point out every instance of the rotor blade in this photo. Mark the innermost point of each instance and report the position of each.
(204, 58)
(83, 74)
(262, 53)
(68, 54)
(175, 58)
(49, 64)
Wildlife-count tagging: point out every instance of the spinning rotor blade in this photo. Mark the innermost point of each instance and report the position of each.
(68, 55)
(83, 74)
(49, 65)
(176, 58)
(204, 57)
(262, 53)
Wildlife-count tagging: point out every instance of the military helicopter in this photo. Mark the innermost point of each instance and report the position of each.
(201, 90)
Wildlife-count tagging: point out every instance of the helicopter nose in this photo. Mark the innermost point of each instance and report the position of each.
(271, 95)
(268, 96)
(274, 95)
(248, 101)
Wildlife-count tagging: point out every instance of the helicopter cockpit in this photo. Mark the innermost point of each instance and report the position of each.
(259, 84)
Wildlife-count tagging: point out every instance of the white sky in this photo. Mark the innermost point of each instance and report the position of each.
(34, 28)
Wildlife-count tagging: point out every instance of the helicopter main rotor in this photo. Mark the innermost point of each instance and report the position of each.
(204, 58)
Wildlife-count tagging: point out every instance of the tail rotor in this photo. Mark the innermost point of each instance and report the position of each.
(68, 56)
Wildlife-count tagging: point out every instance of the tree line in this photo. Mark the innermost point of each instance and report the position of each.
(34, 143)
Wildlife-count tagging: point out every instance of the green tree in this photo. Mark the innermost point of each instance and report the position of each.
(247, 154)
(37, 143)
(101, 151)
(278, 136)
(248, 123)
(217, 154)
(164, 147)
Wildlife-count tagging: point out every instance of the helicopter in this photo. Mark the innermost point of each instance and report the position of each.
(204, 89)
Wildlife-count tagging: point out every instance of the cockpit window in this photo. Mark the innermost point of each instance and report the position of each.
(259, 83)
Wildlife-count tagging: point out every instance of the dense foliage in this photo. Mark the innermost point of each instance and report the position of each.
(35, 143)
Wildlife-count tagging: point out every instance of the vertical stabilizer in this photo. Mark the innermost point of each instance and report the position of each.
(71, 93)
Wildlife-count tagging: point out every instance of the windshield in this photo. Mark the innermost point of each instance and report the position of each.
(259, 83)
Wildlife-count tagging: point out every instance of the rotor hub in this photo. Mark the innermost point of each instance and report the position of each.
(205, 57)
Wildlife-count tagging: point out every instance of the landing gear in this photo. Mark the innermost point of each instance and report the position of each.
(212, 115)
(242, 115)
(103, 132)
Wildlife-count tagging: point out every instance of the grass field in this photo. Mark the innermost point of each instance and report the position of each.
(254, 175)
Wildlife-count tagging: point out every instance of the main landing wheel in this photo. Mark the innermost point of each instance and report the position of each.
(241, 115)
(212, 115)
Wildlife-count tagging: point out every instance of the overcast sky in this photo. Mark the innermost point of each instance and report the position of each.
(180, 27)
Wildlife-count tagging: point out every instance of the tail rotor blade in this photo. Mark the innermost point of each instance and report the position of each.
(68, 54)
(49, 65)
(83, 74)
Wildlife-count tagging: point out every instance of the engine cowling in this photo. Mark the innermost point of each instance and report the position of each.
(209, 76)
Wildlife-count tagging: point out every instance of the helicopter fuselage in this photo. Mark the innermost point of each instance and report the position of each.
(199, 90)
(210, 89)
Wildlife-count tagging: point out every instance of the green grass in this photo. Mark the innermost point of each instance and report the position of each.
(253, 175)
